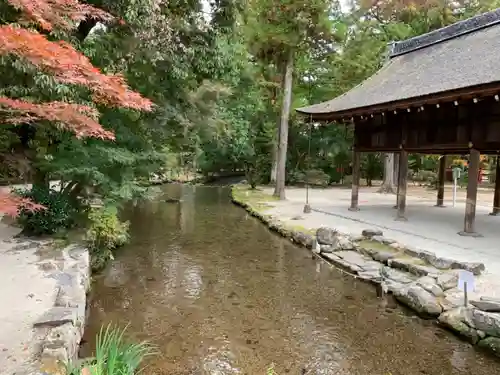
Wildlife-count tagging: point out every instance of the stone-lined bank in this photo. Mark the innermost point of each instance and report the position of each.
(62, 326)
(418, 279)
(57, 332)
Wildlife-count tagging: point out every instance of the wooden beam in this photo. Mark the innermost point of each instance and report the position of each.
(470, 203)
(441, 177)
(356, 166)
(402, 181)
(496, 197)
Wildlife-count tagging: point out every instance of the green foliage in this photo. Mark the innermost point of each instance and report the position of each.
(314, 177)
(105, 233)
(270, 370)
(426, 177)
(217, 86)
(372, 167)
(114, 355)
(60, 212)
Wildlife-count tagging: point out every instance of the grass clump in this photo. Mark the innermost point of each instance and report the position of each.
(375, 245)
(113, 355)
(255, 198)
(270, 370)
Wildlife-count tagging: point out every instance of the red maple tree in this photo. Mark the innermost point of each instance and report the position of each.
(66, 65)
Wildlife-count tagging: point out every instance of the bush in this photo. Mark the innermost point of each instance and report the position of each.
(295, 177)
(106, 232)
(428, 177)
(315, 177)
(59, 214)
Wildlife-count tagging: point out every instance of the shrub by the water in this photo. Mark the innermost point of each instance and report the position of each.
(105, 233)
(59, 212)
(114, 355)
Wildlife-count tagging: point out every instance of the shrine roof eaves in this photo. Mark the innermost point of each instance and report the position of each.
(456, 57)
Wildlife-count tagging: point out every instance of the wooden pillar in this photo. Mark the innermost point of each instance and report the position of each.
(496, 197)
(356, 165)
(470, 203)
(441, 178)
(402, 182)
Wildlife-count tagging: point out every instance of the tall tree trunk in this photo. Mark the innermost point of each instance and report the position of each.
(396, 168)
(388, 183)
(279, 190)
(275, 156)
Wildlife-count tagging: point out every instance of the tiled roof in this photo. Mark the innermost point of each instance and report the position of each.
(458, 56)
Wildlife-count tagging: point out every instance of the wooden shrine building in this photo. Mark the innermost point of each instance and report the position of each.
(438, 93)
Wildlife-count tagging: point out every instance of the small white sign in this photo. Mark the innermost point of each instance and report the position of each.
(465, 278)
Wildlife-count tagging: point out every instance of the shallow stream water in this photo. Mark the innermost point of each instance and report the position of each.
(217, 293)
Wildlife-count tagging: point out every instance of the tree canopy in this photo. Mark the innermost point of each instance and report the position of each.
(100, 95)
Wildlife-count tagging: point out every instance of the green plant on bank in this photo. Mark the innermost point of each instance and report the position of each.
(105, 233)
(270, 370)
(59, 214)
(255, 198)
(114, 355)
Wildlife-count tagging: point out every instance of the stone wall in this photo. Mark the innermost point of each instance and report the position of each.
(60, 328)
(418, 279)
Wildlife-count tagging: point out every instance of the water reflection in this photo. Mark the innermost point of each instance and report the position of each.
(193, 282)
(116, 274)
(219, 294)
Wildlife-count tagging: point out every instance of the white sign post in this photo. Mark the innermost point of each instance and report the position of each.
(466, 284)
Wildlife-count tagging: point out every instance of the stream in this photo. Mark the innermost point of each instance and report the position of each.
(217, 293)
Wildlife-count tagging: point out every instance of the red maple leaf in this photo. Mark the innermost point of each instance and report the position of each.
(68, 66)
(77, 118)
(57, 13)
(12, 205)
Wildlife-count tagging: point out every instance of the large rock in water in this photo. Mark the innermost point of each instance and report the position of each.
(429, 284)
(419, 300)
(492, 344)
(345, 243)
(455, 319)
(395, 275)
(327, 236)
(485, 321)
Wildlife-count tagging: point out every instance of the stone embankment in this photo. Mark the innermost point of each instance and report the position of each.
(48, 288)
(62, 325)
(418, 279)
